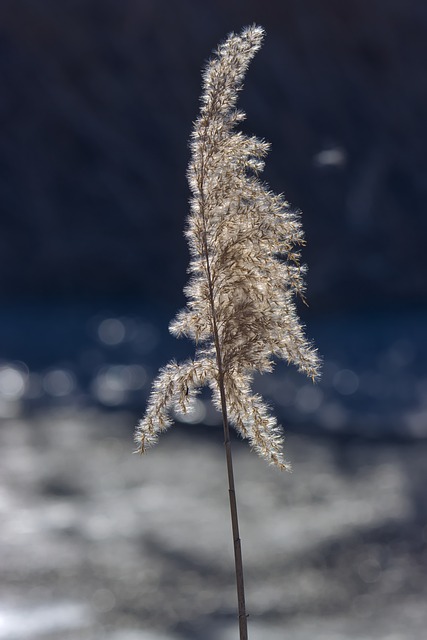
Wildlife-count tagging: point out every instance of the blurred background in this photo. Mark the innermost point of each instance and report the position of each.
(97, 100)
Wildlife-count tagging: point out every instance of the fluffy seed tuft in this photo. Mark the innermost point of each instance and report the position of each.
(245, 269)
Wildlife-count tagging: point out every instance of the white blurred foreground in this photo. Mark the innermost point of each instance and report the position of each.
(99, 543)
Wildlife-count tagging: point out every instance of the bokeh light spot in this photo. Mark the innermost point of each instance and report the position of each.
(59, 382)
(332, 157)
(12, 382)
(346, 382)
(196, 414)
(111, 331)
(111, 385)
(308, 398)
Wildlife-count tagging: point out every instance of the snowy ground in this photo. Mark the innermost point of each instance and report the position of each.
(97, 543)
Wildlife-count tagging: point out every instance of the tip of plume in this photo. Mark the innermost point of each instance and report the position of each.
(253, 32)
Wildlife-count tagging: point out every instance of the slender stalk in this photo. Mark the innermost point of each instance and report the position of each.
(238, 561)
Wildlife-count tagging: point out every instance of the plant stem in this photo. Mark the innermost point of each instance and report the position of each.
(234, 522)
(238, 562)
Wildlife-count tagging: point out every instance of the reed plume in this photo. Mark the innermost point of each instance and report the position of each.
(244, 273)
(245, 269)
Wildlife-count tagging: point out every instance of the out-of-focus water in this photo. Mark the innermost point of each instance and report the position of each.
(374, 380)
(98, 543)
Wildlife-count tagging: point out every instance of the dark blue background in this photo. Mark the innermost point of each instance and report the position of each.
(97, 103)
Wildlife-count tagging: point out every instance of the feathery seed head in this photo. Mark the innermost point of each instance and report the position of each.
(244, 268)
